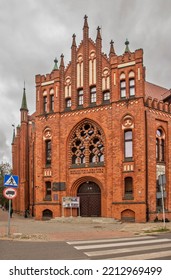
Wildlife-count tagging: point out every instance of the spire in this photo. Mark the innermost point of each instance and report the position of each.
(127, 46)
(13, 137)
(73, 40)
(62, 60)
(98, 33)
(56, 64)
(112, 51)
(85, 22)
(24, 100)
(85, 29)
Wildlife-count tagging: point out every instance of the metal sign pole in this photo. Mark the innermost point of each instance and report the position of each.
(8, 230)
(163, 205)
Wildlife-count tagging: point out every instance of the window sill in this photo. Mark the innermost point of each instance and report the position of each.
(128, 197)
(47, 199)
(130, 159)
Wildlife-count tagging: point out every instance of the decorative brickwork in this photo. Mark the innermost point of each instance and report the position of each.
(94, 135)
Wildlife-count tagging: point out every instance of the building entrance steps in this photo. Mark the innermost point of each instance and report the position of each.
(85, 220)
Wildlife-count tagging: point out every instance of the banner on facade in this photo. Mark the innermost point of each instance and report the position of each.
(71, 202)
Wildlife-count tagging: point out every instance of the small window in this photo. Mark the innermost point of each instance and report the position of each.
(128, 144)
(48, 152)
(132, 87)
(93, 95)
(68, 103)
(80, 97)
(123, 89)
(45, 104)
(106, 96)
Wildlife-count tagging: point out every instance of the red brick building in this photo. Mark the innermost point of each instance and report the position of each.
(100, 132)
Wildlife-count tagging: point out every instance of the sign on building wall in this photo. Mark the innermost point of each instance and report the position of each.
(71, 202)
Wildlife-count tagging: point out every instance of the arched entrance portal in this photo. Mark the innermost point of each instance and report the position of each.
(90, 199)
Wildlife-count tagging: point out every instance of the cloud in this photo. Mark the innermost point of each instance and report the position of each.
(33, 33)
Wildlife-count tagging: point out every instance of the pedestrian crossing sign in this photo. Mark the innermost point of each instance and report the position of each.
(11, 181)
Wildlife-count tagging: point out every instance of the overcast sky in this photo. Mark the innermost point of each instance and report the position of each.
(34, 32)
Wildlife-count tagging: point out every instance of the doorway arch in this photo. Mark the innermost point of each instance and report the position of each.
(90, 199)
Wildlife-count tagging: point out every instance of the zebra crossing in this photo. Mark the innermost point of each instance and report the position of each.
(136, 248)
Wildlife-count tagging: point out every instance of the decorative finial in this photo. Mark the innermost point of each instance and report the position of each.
(112, 51)
(62, 60)
(56, 64)
(73, 40)
(98, 32)
(85, 21)
(127, 46)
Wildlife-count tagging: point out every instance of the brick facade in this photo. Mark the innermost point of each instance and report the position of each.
(94, 135)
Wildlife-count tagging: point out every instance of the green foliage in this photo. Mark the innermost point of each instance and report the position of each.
(5, 168)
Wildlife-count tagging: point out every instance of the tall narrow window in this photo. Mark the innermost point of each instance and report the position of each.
(48, 191)
(48, 152)
(160, 145)
(128, 188)
(45, 104)
(128, 144)
(93, 95)
(123, 89)
(80, 97)
(51, 102)
(132, 87)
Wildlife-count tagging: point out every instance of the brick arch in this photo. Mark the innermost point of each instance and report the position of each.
(47, 214)
(89, 190)
(128, 215)
(79, 124)
(82, 180)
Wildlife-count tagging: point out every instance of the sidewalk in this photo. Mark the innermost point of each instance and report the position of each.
(64, 229)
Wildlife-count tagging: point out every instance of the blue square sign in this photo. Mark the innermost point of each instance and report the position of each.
(11, 181)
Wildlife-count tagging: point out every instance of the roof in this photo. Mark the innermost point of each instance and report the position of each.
(156, 91)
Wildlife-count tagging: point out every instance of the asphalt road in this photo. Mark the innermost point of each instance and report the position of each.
(149, 247)
(28, 250)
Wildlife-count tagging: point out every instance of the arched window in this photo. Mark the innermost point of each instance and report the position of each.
(131, 87)
(160, 145)
(45, 104)
(128, 185)
(128, 145)
(131, 83)
(52, 100)
(87, 145)
(122, 86)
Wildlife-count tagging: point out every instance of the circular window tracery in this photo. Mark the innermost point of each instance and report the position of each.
(87, 145)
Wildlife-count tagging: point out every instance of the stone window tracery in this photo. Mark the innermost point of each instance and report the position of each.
(87, 146)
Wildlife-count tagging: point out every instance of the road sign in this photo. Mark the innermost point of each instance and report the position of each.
(10, 181)
(9, 193)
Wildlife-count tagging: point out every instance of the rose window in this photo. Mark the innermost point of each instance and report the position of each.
(87, 145)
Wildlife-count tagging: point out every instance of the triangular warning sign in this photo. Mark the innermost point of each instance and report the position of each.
(11, 182)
